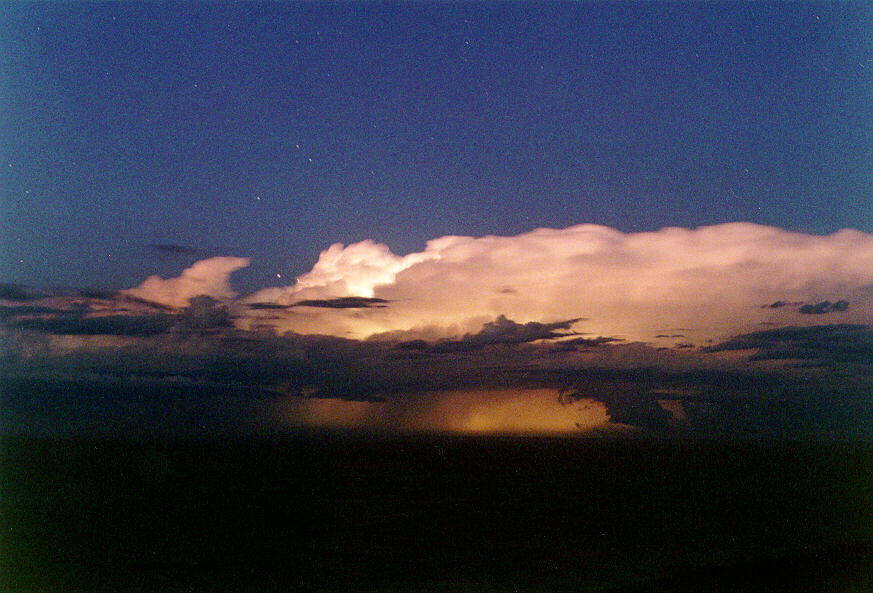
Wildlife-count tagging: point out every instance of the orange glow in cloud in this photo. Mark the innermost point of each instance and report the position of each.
(500, 411)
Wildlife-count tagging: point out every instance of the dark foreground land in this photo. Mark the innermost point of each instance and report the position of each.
(337, 513)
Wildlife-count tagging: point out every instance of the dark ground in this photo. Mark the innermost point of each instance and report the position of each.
(337, 513)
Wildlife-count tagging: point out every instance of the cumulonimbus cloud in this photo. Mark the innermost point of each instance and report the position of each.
(206, 277)
(711, 280)
(710, 331)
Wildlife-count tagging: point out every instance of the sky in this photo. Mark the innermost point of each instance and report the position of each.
(272, 131)
(620, 217)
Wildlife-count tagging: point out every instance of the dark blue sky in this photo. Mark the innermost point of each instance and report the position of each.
(272, 131)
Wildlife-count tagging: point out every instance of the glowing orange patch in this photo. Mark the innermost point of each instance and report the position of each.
(503, 411)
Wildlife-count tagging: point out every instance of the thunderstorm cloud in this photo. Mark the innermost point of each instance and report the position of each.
(629, 285)
(560, 331)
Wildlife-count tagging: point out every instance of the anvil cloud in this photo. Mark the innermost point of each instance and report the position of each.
(711, 281)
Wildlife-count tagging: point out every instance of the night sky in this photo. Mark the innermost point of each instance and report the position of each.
(138, 138)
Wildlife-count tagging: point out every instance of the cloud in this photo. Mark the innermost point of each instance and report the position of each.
(91, 293)
(627, 285)
(488, 326)
(24, 310)
(114, 314)
(775, 305)
(343, 303)
(505, 377)
(640, 410)
(575, 344)
(267, 306)
(75, 323)
(15, 292)
(824, 307)
(355, 270)
(351, 302)
(208, 277)
(204, 313)
(837, 343)
(502, 331)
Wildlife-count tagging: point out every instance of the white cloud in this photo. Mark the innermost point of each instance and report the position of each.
(354, 270)
(206, 277)
(712, 281)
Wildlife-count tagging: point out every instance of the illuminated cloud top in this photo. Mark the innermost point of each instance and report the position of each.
(711, 282)
(209, 277)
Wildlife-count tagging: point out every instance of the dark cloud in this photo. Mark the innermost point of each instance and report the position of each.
(840, 306)
(824, 307)
(204, 313)
(584, 343)
(25, 310)
(319, 365)
(15, 292)
(506, 331)
(780, 304)
(631, 396)
(670, 336)
(838, 343)
(75, 323)
(727, 403)
(415, 345)
(640, 410)
(122, 298)
(267, 306)
(503, 331)
(90, 293)
(344, 303)
(198, 347)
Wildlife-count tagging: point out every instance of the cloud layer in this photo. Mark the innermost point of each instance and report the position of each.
(732, 330)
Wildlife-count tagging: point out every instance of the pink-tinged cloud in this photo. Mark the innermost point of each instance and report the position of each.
(208, 277)
(356, 270)
(711, 281)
